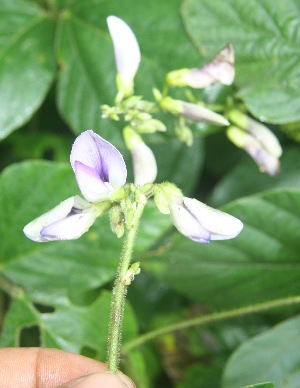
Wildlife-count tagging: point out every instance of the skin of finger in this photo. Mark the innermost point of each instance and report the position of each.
(43, 368)
(101, 379)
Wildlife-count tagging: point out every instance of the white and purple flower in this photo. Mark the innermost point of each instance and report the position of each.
(220, 69)
(100, 170)
(202, 223)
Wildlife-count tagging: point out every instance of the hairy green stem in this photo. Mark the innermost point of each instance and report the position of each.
(210, 318)
(120, 287)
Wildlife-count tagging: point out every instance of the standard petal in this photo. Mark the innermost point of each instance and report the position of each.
(93, 151)
(222, 226)
(126, 48)
(187, 224)
(144, 164)
(66, 209)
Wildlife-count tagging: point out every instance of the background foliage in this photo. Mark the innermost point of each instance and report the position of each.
(56, 69)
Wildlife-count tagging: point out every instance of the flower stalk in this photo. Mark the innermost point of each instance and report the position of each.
(125, 275)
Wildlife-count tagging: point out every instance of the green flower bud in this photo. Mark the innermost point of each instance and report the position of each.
(184, 133)
(151, 126)
(164, 195)
(117, 221)
(131, 273)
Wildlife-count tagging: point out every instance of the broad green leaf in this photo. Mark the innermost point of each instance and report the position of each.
(29, 189)
(261, 264)
(265, 35)
(271, 356)
(27, 64)
(245, 179)
(68, 327)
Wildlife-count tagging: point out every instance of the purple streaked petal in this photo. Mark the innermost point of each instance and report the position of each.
(93, 151)
(69, 228)
(187, 224)
(222, 226)
(66, 209)
(91, 186)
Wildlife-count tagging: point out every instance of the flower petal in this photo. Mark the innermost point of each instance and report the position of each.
(73, 217)
(222, 226)
(220, 69)
(91, 186)
(126, 48)
(93, 151)
(197, 112)
(144, 164)
(267, 161)
(187, 224)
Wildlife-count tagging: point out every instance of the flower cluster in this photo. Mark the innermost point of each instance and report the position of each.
(257, 140)
(101, 174)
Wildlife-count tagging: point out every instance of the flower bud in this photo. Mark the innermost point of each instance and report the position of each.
(257, 139)
(192, 111)
(184, 133)
(143, 159)
(163, 196)
(220, 69)
(127, 53)
(117, 221)
(266, 161)
(151, 126)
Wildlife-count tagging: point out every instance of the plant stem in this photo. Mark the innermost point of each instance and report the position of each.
(120, 286)
(210, 318)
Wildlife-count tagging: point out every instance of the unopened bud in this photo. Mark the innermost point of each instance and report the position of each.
(184, 133)
(143, 159)
(117, 221)
(163, 196)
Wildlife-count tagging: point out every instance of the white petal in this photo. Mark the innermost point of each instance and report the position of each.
(144, 164)
(69, 228)
(265, 136)
(200, 113)
(60, 212)
(126, 47)
(187, 224)
(222, 226)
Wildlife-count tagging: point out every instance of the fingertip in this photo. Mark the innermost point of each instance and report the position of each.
(101, 379)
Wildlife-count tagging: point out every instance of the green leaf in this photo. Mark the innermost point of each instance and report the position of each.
(68, 327)
(265, 35)
(245, 179)
(29, 189)
(27, 64)
(261, 385)
(260, 264)
(273, 355)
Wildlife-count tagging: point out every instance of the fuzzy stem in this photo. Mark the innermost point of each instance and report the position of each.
(120, 286)
(210, 318)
